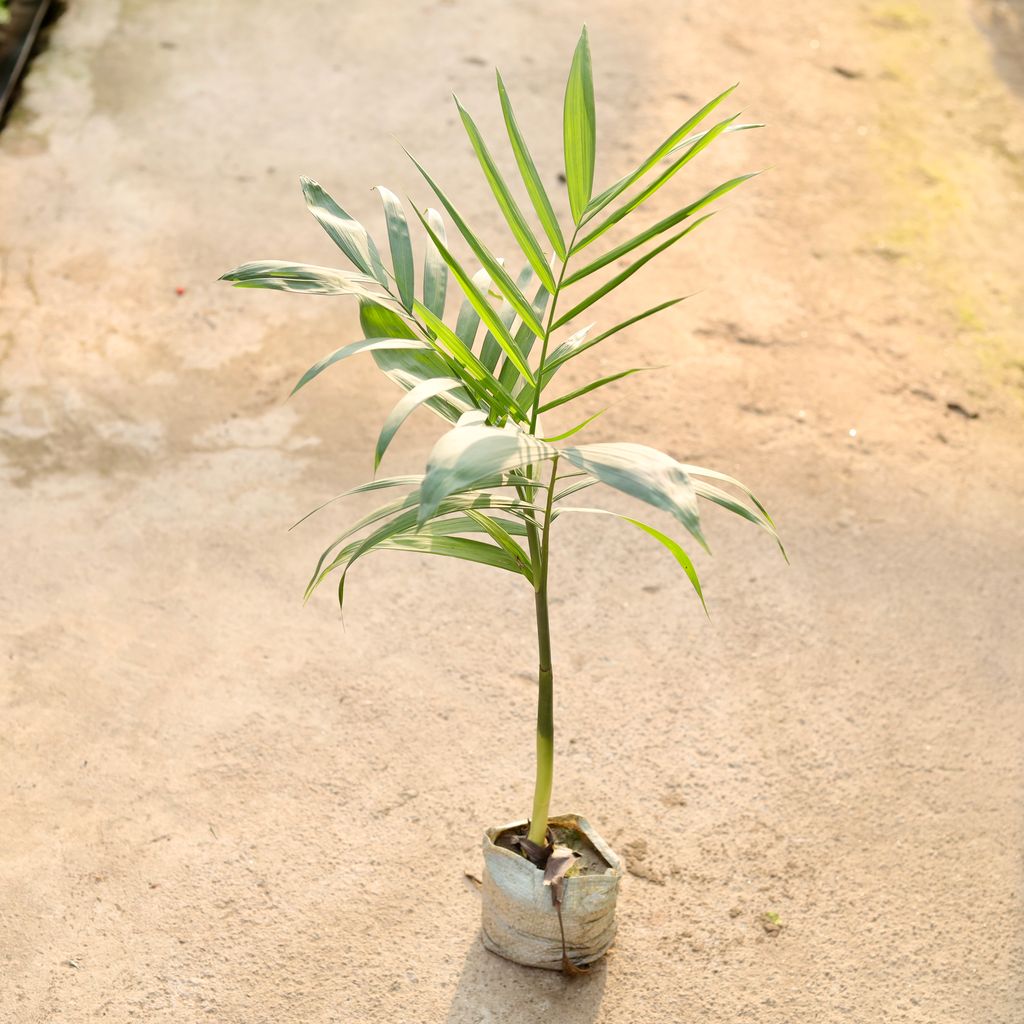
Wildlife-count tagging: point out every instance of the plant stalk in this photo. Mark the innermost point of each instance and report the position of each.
(547, 332)
(539, 555)
(545, 679)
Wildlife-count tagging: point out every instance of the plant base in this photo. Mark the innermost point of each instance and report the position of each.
(520, 919)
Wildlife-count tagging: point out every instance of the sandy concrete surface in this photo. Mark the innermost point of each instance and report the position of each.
(218, 805)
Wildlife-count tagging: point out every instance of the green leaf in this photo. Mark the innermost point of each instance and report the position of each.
(642, 197)
(504, 540)
(579, 127)
(378, 514)
(283, 276)
(459, 350)
(378, 321)
(677, 552)
(553, 361)
(355, 347)
(440, 544)
(408, 404)
(565, 352)
(727, 501)
(614, 282)
(407, 368)
(401, 246)
(517, 479)
(469, 319)
(668, 146)
(451, 526)
(468, 453)
(406, 521)
(373, 485)
(346, 232)
(642, 316)
(593, 386)
(480, 381)
(482, 306)
(531, 179)
(499, 275)
(662, 225)
(509, 207)
(567, 347)
(490, 351)
(645, 236)
(713, 474)
(580, 485)
(728, 131)
(453, 547)
(472, 551)
(435, 272)
(405, 511)
(576, 429)
(644, 473)
(524, 339)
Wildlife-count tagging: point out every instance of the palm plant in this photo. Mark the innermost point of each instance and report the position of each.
(495, 483)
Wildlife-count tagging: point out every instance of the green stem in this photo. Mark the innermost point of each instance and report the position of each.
(547, 332)
(539, 556)
(545, 678)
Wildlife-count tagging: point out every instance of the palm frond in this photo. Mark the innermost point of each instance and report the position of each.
(488, 375)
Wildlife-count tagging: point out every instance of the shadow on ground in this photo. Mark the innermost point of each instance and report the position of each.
(494, 990)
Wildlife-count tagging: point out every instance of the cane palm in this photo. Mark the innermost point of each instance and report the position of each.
(493, 486)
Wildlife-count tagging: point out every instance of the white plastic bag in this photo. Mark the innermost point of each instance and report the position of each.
(520, 920)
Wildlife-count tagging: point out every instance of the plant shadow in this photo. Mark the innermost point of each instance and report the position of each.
(492, 990)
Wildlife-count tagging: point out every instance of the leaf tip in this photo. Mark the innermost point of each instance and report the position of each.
(698, 534)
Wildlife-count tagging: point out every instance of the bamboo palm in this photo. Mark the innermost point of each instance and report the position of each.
(493, 478)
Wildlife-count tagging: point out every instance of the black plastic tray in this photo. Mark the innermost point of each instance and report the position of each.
(17, 38)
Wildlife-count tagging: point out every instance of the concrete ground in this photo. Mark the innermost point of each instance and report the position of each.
(217, 804)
